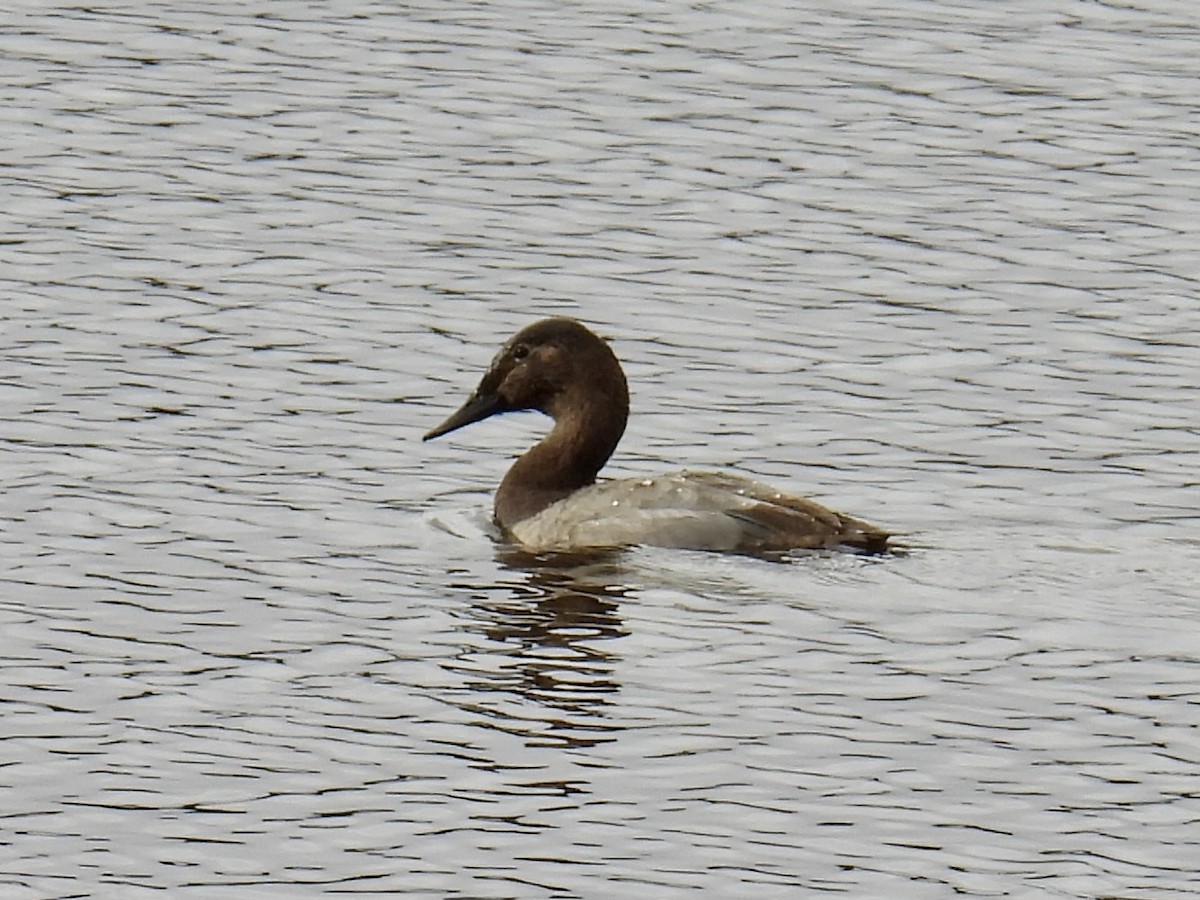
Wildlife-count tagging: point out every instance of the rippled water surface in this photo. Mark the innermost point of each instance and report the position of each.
(933, 264)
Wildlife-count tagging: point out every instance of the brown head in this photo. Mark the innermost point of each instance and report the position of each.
(560, 368)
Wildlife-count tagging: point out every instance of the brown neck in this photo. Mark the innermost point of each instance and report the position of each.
(567, 459)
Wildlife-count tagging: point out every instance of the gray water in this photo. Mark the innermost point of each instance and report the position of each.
(934, 264)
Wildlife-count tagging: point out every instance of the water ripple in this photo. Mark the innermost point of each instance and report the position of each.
(934, 266)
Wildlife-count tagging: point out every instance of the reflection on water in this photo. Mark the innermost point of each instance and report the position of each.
(548, 670)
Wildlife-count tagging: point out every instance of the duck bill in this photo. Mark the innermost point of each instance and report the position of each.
(479, 405)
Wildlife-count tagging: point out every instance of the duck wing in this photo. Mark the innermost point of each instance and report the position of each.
(693, 510)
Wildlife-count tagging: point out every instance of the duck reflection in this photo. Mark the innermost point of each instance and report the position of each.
(546, 647)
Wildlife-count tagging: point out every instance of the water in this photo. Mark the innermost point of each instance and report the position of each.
(933, 264)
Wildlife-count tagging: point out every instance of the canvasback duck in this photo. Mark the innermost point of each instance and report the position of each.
(550, 499)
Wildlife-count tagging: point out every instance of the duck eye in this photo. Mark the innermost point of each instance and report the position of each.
(519, 352)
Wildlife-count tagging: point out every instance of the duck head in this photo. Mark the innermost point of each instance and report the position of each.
(555, 366)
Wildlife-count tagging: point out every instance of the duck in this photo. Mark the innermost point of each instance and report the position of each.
(551, 501)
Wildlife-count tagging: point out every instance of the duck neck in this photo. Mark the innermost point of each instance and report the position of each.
(584, 436)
